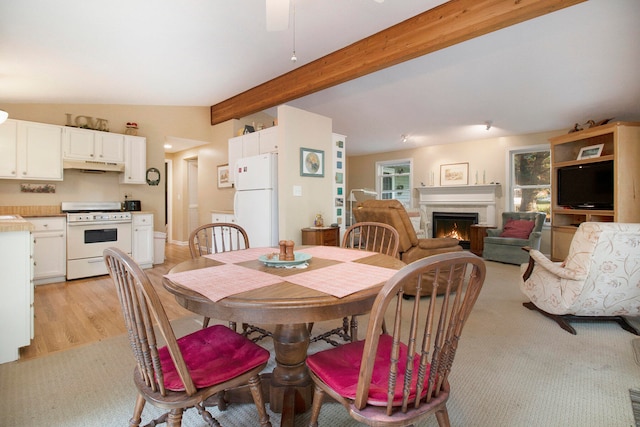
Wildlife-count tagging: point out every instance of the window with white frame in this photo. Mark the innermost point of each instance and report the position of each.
(530, 179)
(393, 180)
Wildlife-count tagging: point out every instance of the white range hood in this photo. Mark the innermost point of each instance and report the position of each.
(93, 166)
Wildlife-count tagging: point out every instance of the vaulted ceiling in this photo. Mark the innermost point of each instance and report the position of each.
(547, 73)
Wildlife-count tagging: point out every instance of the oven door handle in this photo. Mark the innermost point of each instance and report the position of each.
(91, 223)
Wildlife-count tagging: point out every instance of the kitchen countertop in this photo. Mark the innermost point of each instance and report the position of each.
(32, 211)
(14, 223)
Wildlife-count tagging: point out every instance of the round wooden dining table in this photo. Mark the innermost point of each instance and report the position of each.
(291, 300)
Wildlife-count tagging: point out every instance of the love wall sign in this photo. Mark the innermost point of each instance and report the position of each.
(87, 122)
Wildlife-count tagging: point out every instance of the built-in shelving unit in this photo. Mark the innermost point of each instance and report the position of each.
(621, 144)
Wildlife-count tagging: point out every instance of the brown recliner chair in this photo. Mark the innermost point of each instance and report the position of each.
(392, 212)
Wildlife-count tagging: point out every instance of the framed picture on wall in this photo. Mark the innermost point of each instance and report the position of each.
(454, 174)
(223, 176)
(311, 162)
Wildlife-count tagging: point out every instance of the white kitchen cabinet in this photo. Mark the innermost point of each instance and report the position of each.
(16, 304)
(135, 160)
(142, 239)
(268, 141)
(93, 145)
(224, 217)
(251, 144)
(49, 249)
(30, 150)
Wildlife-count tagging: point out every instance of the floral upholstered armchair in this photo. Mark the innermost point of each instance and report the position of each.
(599, 279)
(519, 229)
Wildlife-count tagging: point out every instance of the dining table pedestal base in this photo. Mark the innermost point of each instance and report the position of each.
(291, 388)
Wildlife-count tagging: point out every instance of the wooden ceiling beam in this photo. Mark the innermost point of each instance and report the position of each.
(443, 26)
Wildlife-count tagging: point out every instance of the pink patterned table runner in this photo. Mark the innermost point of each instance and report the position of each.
(336, 253)
(343, 279)
(220, 282)
(236, 257)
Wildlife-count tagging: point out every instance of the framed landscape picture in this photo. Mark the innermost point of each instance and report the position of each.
(590, 152)
(454, 174)
(223, 176)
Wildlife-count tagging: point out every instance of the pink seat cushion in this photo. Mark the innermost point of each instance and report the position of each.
(517, 228)
(213, 355)
(339, 368)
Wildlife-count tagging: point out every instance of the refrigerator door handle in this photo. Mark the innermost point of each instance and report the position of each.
(235, 203)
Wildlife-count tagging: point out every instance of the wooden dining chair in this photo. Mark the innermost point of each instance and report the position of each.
(401, 378)
(366, 236)
(221, 237)
(186, 371)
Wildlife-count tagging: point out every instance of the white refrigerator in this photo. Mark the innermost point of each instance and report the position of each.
(255, 203)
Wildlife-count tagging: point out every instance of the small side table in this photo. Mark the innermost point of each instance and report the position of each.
(478, 233)
(321, 236)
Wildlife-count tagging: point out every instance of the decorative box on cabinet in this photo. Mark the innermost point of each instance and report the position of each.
(621, 144)
(49, 249)
(142, 239)
(30, 151)
(321, 236)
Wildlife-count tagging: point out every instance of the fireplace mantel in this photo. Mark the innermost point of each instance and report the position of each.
(480, 198)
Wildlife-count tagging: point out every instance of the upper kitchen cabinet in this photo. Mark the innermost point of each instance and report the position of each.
(135, 160)
(92, 145)
(30, 150)
(251, 144)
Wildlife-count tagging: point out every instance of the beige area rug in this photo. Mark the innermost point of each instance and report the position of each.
(514, 368)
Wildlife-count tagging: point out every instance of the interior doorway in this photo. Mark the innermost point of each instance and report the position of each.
(168, 198)
(192, 192)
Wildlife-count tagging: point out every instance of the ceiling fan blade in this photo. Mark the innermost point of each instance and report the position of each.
(277, 15)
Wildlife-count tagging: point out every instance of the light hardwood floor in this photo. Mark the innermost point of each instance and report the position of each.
(82, 311)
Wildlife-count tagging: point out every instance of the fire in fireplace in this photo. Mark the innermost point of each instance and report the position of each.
(454, 224)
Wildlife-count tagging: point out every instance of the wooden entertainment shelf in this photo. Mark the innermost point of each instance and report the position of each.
(621, 143)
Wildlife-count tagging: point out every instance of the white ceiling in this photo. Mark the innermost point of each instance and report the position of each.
(546, 74)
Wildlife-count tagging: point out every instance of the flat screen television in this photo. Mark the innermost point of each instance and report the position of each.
(587, 186)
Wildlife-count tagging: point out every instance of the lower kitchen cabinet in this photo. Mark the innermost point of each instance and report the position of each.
(16, 304)
(142, 239)
(49, 249)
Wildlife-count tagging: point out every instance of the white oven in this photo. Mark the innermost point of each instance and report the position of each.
(89, 233)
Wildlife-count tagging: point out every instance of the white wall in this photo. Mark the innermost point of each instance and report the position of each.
(298, 128)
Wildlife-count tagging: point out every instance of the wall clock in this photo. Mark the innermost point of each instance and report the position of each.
(153, 176)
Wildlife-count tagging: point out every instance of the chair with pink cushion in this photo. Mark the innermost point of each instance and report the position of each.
(187, 371)
(519, 229)
(364, 236)
(401, 378)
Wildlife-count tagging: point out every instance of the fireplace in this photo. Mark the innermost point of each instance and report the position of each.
(454, 224)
